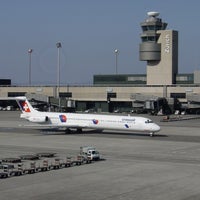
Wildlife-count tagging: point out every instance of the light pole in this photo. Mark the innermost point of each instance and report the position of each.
(116, 60)
(58, 45)
(29, 73)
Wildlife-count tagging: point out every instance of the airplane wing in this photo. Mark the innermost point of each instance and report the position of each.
(55, 126)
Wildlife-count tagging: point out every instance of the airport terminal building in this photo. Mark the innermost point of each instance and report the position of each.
(162, 88)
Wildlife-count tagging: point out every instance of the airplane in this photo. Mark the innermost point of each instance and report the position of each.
(86, 121)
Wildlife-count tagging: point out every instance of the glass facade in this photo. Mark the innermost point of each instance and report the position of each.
(137, 79)
(119, 79)
(185, 79)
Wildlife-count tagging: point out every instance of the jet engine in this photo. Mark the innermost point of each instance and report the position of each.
(38, 119)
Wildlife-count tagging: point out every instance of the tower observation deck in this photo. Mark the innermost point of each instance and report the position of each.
(150, 50)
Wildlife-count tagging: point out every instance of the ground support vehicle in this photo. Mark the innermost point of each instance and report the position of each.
(57, 163)
(90, 152)
(30, 164)
(7, 170)
(45, 166)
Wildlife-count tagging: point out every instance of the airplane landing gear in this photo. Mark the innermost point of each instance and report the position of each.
(79, 130)
(67, 131)
(151, 134)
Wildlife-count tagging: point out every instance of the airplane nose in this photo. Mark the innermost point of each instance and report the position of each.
(156, 128)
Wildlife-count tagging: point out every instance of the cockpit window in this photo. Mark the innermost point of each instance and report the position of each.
(148, 121)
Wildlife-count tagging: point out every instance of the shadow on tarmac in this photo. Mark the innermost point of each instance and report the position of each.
(100, 133)
(106, 134)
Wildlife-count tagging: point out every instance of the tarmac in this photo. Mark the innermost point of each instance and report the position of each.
(135, 166)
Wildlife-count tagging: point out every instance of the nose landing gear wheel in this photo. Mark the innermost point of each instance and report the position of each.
(151, 134)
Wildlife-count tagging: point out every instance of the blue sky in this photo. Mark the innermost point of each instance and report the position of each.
(90, 31)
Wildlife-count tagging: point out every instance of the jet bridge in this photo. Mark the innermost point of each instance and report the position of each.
(193, 103)
(58, 103)
(149, 103)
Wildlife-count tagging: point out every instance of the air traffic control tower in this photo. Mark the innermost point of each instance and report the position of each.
(159, 48)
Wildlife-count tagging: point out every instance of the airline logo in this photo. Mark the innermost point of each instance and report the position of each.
(24, 106)
(95, 121)
(63, 118)
(126, 125)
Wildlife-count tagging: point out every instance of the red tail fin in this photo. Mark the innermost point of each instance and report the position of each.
(24, 105)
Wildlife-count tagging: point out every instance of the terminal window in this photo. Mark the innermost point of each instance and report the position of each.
(178, 95)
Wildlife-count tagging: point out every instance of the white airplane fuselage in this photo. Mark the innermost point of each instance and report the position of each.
(81, 121)
(85, 121)
(94, 121)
